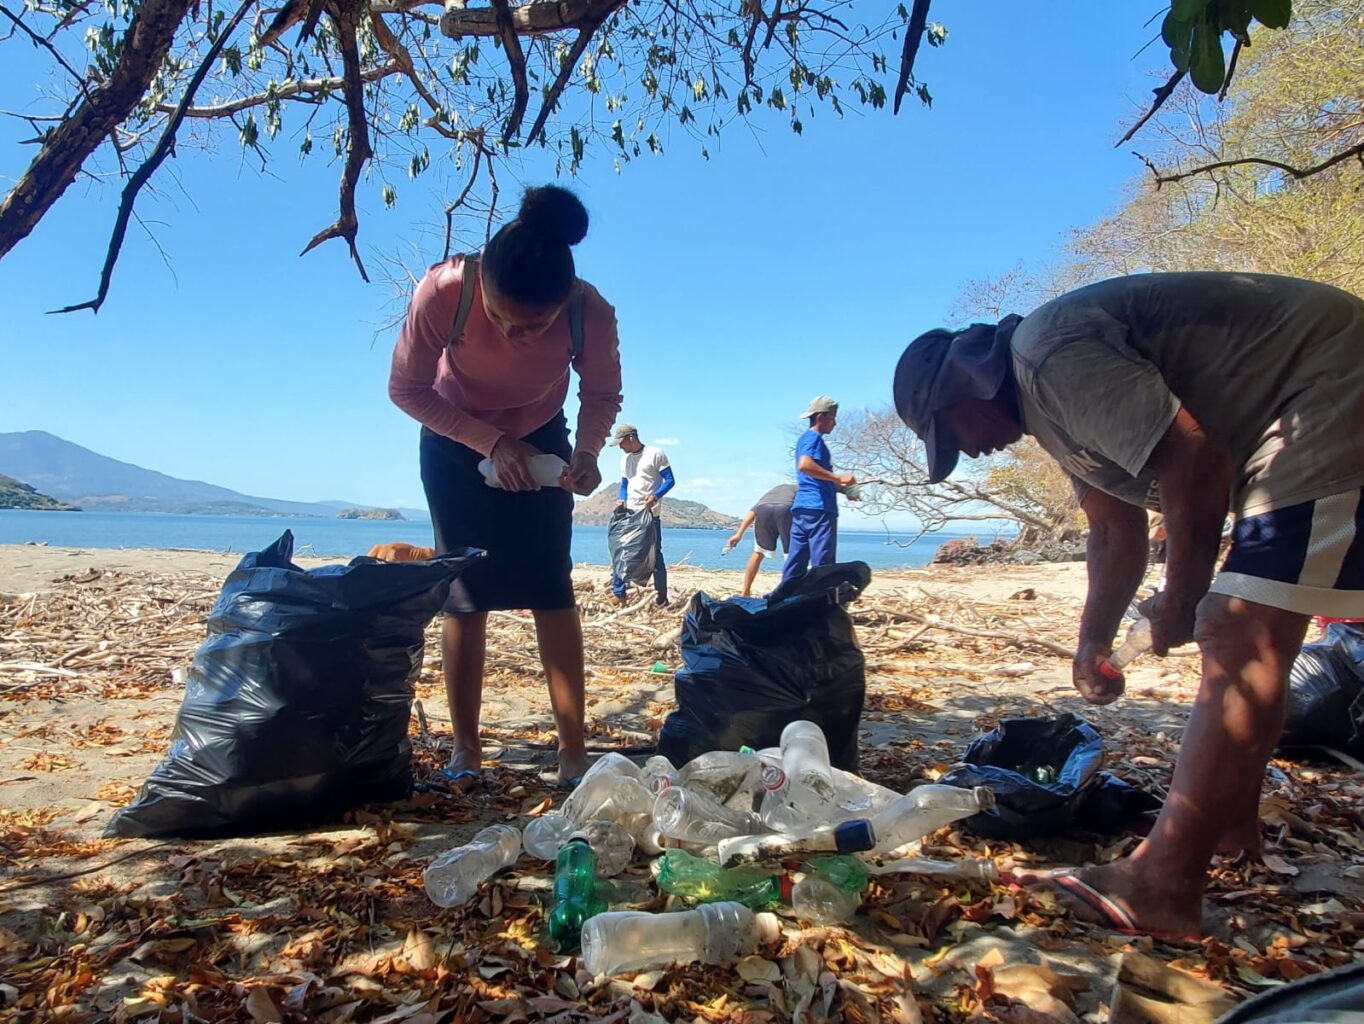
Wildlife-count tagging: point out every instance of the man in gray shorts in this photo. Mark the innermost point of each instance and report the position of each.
(771, 522)
(1195, 395)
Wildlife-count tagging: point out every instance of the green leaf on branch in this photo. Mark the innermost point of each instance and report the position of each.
(1271, 13)
(1207, 64)
(1188, 10)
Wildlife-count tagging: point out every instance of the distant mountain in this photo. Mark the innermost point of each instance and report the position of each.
(691, 515)
(98, 483)
(13, 494)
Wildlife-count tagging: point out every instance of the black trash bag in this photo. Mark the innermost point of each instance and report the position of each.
(297, 703)
(630, 542)
(1045, 775)
(1332, 997)
(1326, 693)
(751, 666)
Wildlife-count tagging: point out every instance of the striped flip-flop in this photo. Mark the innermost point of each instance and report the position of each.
(1108, 912)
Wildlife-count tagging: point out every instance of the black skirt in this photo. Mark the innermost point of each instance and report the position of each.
(526, 534)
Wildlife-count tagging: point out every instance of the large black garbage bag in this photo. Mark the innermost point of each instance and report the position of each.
(296, 705)
(1332, 997)
(630, 542)
(1326, 693)
(751, 666)
(1045, 775)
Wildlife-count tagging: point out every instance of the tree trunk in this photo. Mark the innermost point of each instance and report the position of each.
(70, 144)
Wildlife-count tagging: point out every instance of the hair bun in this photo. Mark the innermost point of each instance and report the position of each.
(554, 212)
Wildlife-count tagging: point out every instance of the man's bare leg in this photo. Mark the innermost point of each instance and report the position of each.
(560, 637)
(1236, 721)
(755, 562)
(463, 647)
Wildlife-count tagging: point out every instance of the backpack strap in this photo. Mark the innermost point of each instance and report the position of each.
(466, 299)
(575, 324)
(466, 304)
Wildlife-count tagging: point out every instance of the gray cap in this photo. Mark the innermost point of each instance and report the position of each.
(621, 432)
(941, 368)
(819, 404)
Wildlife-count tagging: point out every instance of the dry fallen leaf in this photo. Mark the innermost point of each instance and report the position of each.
(1278, 865)
(262, 1006)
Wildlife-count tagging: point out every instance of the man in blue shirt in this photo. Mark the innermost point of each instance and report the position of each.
(814, 513)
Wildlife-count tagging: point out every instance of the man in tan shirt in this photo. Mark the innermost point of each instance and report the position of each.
(1194, 395)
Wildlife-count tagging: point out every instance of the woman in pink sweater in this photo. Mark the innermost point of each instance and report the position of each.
(483, 364)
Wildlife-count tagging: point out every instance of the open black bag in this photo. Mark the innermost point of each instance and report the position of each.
(751, 666)
(1045, 775)
(297, 703)
(1326, 693)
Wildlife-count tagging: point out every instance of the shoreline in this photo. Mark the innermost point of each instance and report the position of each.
(33, 568)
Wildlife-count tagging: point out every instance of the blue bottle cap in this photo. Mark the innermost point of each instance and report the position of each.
(855, 836)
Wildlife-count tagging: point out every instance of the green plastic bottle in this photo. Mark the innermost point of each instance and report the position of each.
(575, 893)
(848, 873)
(696, 878)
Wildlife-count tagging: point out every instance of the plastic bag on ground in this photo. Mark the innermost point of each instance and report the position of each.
(630, 542)
(297, 703)
(751, 666)
(1326, 693)
(1045, 775)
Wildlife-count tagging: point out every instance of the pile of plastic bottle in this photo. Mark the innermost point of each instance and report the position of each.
(732, 832)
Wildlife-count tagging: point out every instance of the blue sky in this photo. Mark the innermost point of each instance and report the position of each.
(783, 267)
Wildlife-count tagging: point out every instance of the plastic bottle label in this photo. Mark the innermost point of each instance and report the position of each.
(773, 777)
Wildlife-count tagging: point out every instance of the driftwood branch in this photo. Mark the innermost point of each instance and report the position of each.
(1354, 152)
(358, 149)
(143, 174)
(914, 36)
(66, 147)
(516, 61)
(1162, 94)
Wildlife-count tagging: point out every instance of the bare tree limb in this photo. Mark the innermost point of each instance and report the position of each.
(1231, 68)
(516, 61)
(537, 18)
(286, 90)
(1162, 94)
(66, 148)
(1297, 173)
(142, 175)
(358, 149)
(39, 41)
(294, 11)
(914, 36)
(556, 88)
(459, 201)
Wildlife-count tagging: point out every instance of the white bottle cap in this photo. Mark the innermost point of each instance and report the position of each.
(769, 928)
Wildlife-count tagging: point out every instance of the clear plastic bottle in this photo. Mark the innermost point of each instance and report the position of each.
(805, 759)
(545, 470)
(693, 817)
(451, 878)
(613, 792)
(926, 809)
(861, 797)
(713, 933)
(658, 774)
(700, 879)
(1136, 643)
(717, 773)
(612, 843)
(544, 837)
(854, 836)
(819, 901)
(969, 869)
(575, 893)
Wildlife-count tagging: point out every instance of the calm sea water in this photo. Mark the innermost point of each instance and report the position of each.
(349, 537)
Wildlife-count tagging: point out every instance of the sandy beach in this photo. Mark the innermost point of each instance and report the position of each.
(92, 644)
